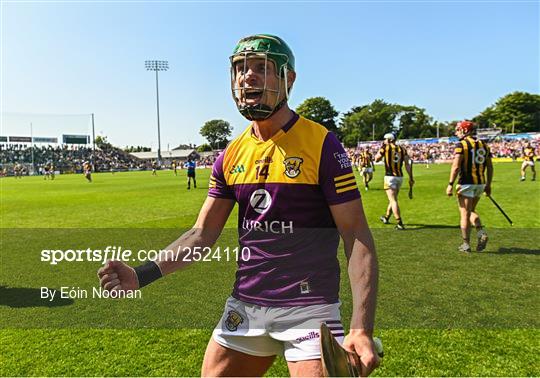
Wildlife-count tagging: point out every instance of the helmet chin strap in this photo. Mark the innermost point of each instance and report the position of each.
(259, 112)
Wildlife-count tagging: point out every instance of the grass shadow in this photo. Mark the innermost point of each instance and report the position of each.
(19, 297)
(418, 226)
(514, 251)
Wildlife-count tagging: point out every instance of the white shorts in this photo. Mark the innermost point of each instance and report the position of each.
(527, 164)
(470, 190)
(269, 331)
(366, 170)
(393, 182)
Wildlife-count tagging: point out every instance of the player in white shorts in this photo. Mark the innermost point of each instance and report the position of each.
(394, 157)
(366, 167)
(297, 196)
(528, 161)
(393, 182)
(269, 331)
(472, 163)
(470, 190)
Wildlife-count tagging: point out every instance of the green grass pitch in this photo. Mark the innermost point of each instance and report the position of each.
(440, 313)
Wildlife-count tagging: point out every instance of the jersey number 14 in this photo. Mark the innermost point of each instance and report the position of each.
(262, 172)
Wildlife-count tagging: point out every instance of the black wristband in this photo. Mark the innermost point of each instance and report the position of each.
(147, 273)
(451, 183)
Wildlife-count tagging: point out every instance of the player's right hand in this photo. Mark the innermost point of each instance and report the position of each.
(365, 348)
(449, 190)
(116, 275)
(487, 190)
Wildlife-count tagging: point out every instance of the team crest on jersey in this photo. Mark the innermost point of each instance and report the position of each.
(292, 166)
(234, 319)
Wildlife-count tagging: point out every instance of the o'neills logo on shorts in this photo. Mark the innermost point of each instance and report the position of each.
(234, 319)
(309, 336)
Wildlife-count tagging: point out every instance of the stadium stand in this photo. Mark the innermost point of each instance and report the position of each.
(106, 158)
(69, 159)
(66, 159)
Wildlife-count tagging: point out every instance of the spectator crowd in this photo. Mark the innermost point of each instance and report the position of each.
(67, 159)
(431, 152)
(70, 159)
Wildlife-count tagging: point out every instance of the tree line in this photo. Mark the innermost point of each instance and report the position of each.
(515, 112)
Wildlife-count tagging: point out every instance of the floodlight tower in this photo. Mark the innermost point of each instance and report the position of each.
(157, 65)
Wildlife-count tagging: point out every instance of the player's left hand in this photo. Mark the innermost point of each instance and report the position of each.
(411, 182)
(449, 190)
(487, 190)
(362, 344)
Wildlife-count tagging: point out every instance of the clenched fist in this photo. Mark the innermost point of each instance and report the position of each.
(116, 275)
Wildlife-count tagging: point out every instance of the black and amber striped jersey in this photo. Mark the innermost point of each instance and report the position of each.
(365, 159)
(528, 154)
(473, 164)
(394, 156)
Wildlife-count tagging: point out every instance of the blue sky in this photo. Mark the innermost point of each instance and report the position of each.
(452, 58)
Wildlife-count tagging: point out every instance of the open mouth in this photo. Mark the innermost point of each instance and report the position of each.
(253, 94)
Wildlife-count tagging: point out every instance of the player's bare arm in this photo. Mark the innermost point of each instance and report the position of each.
(409, 168)
(363, 274)
(454, 172)
(116, 275)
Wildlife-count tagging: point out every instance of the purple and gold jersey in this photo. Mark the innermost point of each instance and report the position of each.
(284, 187)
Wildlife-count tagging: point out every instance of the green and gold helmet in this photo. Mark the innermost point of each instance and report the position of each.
(270, 48)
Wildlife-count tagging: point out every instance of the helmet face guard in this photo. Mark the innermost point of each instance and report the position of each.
(271, 49)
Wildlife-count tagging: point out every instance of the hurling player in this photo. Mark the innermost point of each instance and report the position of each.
(472, 160)
(528, 161)
(51, 170)
(394, 156)
(18, 170)
(87, 171)
(46, 171)
(296, 196)
(366, 166)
